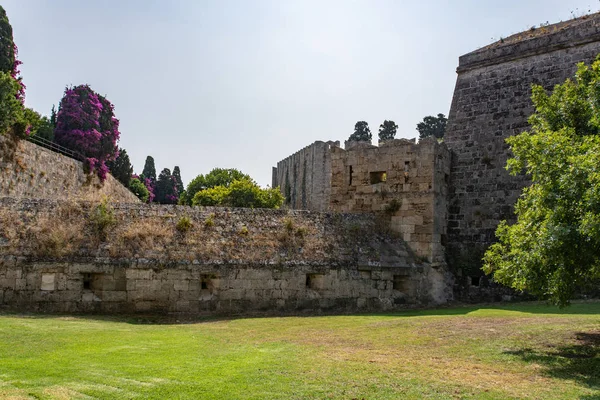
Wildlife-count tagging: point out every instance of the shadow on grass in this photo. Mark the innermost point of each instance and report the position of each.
(579, 361)
(577, 308)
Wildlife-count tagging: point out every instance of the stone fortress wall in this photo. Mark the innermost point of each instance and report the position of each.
(492, 101)
(399, 179)
(405, 181)
(53, 258)
(305, 177)
(31, 171)
(445, 201)
(473, 192)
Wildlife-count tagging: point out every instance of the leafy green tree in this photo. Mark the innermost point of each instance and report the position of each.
(216, 177)
(432, 126)
(211, 197)
(12, 119)
(39, 125)
(149, 171)
(553, 250)
(387, 130)
(139, 189)
(121, 167)
(178, 181)
(362, 133)
(240, 193)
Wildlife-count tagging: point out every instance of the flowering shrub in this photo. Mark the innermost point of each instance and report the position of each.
(86, 123)
(150, 186)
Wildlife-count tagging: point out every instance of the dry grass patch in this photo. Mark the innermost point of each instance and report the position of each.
(140, 236)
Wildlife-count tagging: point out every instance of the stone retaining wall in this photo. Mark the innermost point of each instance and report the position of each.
(55, 257)
(31, 171)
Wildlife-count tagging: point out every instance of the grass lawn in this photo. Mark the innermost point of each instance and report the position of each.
(484, 352)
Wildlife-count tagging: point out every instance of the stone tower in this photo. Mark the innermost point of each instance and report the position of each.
(492, 102)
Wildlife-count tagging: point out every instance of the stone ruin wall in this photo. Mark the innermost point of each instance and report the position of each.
(229, 261)
(31, 171)
(417, 176)
(405, 181)
(304, 178)
(492, 102)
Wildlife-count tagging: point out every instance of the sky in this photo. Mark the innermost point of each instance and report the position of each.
(245, 83)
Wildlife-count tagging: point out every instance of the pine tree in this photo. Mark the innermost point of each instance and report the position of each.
(362, 133)
(149, 171)
(121, 167)
(177, 176)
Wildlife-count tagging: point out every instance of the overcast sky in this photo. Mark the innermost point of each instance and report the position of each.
(243, 84)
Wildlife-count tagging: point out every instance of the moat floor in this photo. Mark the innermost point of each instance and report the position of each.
(485, 352)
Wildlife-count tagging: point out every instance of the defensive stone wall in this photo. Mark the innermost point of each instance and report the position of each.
(405, 181)
(492, 102)
(305, 177)
(84, 256)
(30, 171)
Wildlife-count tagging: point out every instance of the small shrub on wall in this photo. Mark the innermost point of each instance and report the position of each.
(102, 218)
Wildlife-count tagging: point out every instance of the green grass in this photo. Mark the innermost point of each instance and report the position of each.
(501, 352)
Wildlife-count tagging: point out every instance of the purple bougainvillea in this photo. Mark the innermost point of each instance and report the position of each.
(150, 186)
(86, 123)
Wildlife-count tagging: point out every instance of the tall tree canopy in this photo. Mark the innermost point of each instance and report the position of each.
(149, 171)
(12, 90)
(362, 132)
(432, 126)
(177, 176)
(7, 50)
(166, 188)
(553, 249)
(9, 63)
(121, 167)
(387, 130)
(217, 177)
(86, 123)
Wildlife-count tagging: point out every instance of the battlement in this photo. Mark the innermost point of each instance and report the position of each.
(541, 40)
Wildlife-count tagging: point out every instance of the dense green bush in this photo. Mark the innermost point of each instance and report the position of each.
(139, 189)
(240, 193)
(216, 177)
